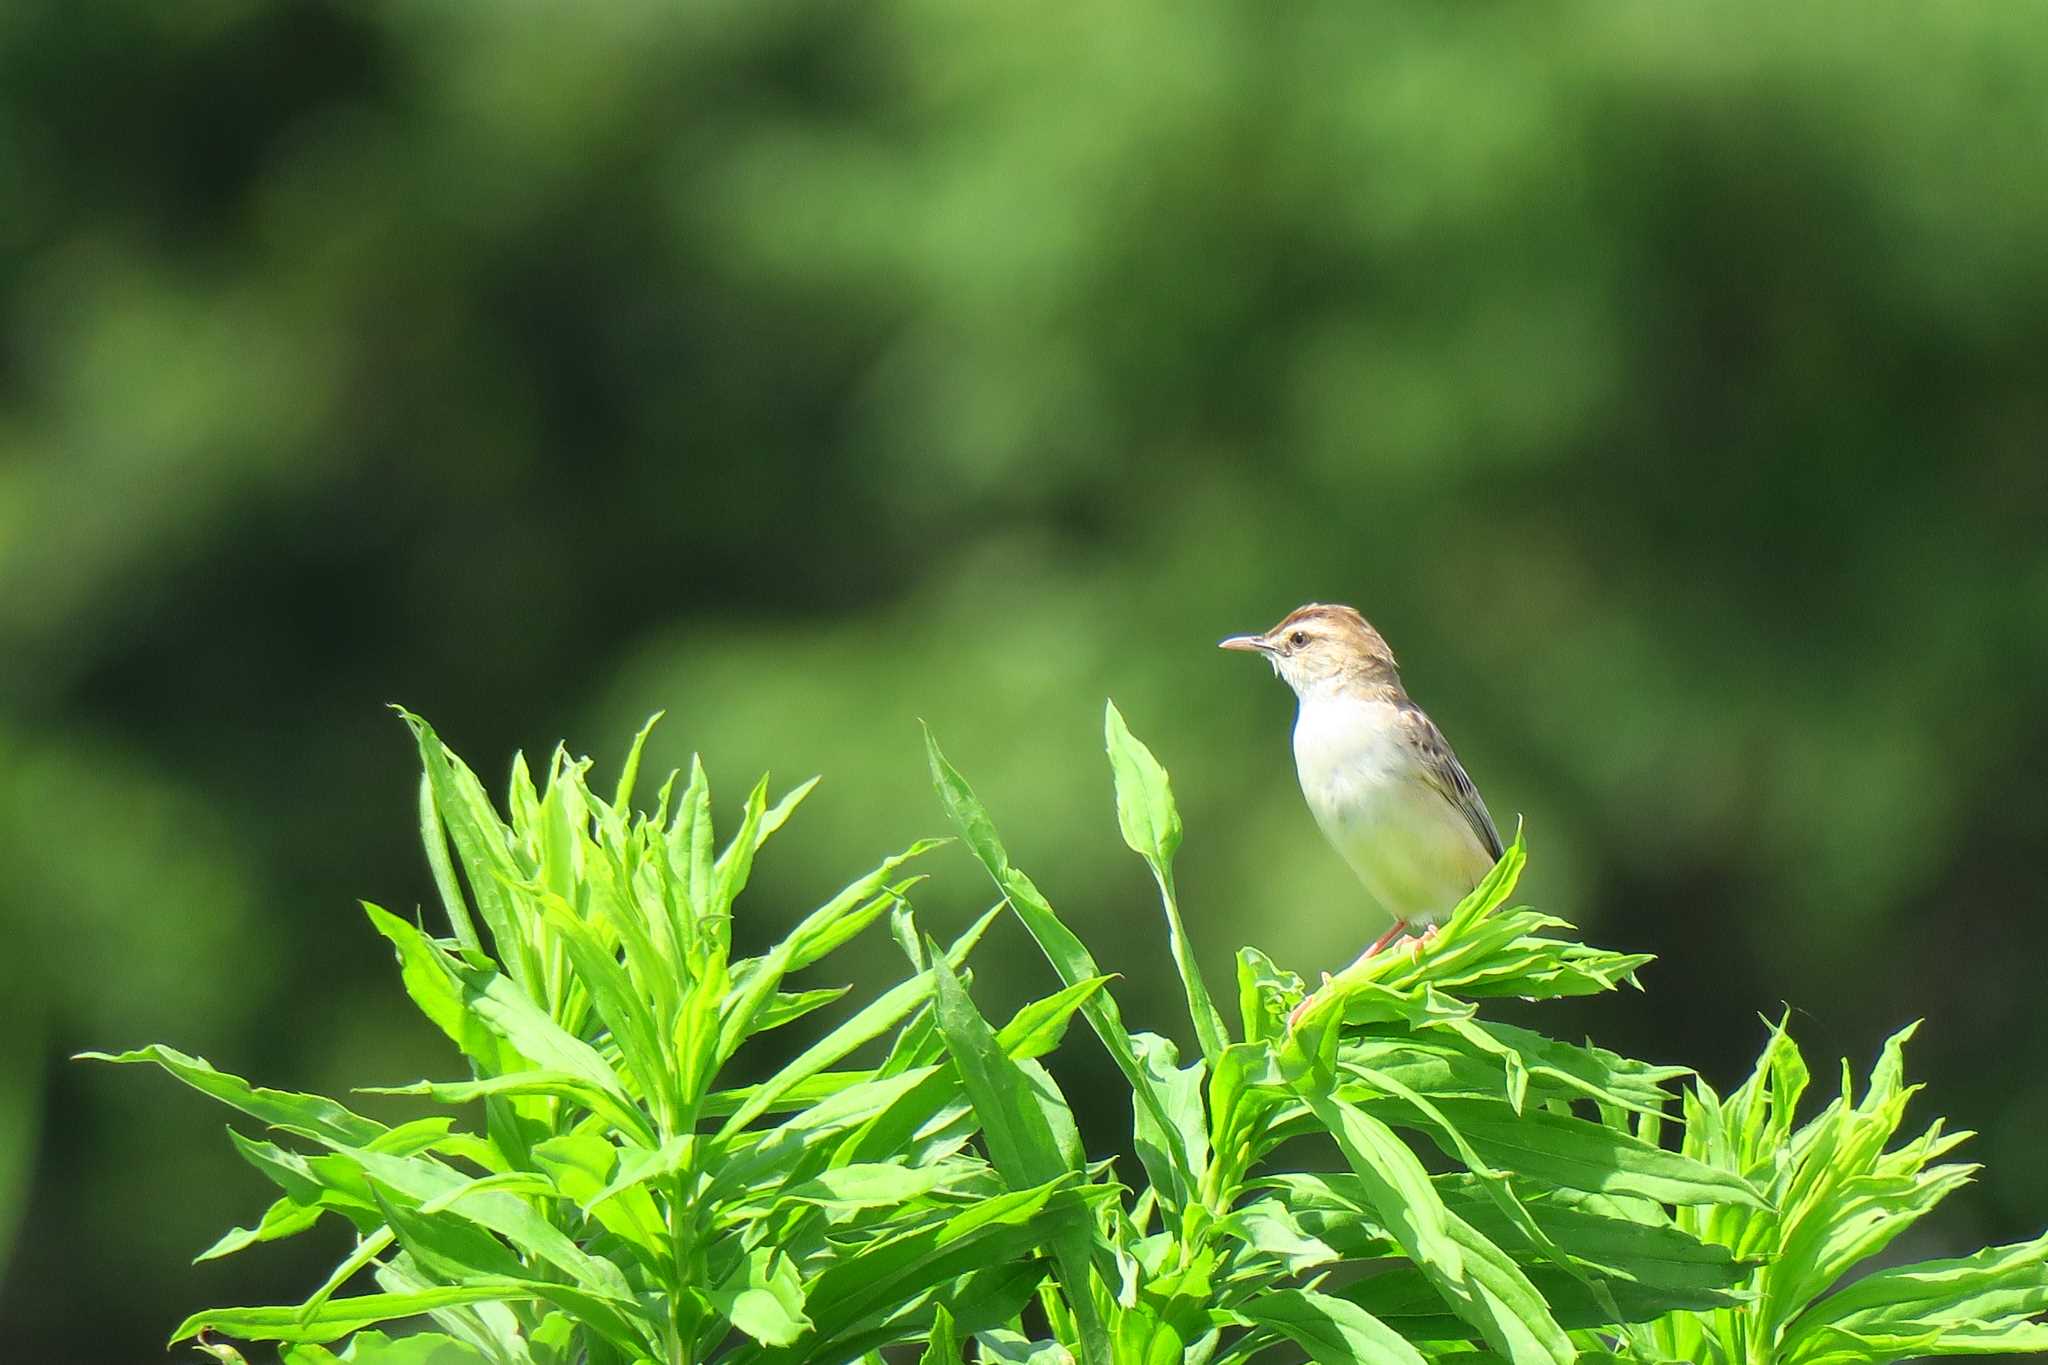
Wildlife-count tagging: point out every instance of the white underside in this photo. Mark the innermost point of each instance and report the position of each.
(1413, 849)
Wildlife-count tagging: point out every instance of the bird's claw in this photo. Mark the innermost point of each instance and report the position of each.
(1412, 944)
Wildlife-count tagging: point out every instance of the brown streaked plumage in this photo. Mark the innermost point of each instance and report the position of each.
(1361, 650)
(1378, 775)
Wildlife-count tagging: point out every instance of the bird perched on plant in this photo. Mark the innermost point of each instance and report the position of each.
(1379, 777)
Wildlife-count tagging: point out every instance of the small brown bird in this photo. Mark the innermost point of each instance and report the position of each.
(1379, 777)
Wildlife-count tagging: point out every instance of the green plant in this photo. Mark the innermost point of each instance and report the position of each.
(1836, 1198)
(623, 1201)
(1226, 1252)
(1558, 1226)
(1496, 1194)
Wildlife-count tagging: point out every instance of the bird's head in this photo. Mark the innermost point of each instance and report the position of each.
(1323, 646)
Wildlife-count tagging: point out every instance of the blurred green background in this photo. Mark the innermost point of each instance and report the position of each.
(1668, 383)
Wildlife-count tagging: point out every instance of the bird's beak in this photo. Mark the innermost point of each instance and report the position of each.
(1248, 644)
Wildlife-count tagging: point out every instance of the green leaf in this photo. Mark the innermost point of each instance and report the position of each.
(1655, 1255)
(1498, 1298)
(892, 1270)
(488, 1203)
(690, 843)
(799, 1139)
(1022, 1140)
(1431, 1061)
(642, 1166)
(374, 1348)
(1151, 826)
(336, 1318)
(310, 1182)
(1270, 1228)
(802, 1095)
(487, 1015)
(1493, 889)
(1396, 1188)
(284, 1218)
(581, 1164)
(821, 931)
(928, 1121)
(1332, 1331)
(786, 1007)
(1014, 1348)
(942, 1347)
(1844, 1346)
(1995, 1290)
(1500, 1193)
(1265, 995)
(1062, 948)
(869, 1184)
(877, 1018)
(1593, 1072)
(778, 814)
(480, 839)
(1561, 1150)
(1038, 1027)
(736, 864)
(994, 1294)
(623, 1117)
(1479, 1282)
(1144, 797)
(1180, 1095)
(434, 835)
(854, 909)
(452, 1250)
(310, 1116)
(629, 773)
(617, 1000)
(764, 1298)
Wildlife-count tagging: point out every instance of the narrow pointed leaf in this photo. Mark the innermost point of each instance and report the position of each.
(312, 1116)
(1151, 826)
(1062, 948)
(338, 1317)
(1333, 1331)
(1022, 1142)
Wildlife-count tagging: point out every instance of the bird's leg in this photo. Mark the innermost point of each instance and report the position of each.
(1394, 931)
(1425, 938)
(1382, 941)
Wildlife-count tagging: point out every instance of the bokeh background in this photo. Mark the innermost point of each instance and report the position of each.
(1667, 382)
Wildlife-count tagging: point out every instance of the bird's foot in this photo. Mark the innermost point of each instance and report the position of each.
(1411, 944)
(1398, 929)
(1396, 936)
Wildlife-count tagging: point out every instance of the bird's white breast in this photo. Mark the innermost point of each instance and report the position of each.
(1413, 849)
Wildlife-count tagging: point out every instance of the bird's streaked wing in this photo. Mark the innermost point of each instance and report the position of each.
(1441, 769)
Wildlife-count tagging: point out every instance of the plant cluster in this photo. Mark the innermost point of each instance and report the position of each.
(1371, 1171)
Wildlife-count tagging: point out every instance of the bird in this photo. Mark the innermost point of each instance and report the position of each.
(1379, 777)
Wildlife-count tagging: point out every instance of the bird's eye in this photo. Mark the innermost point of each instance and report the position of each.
(1298, 639)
